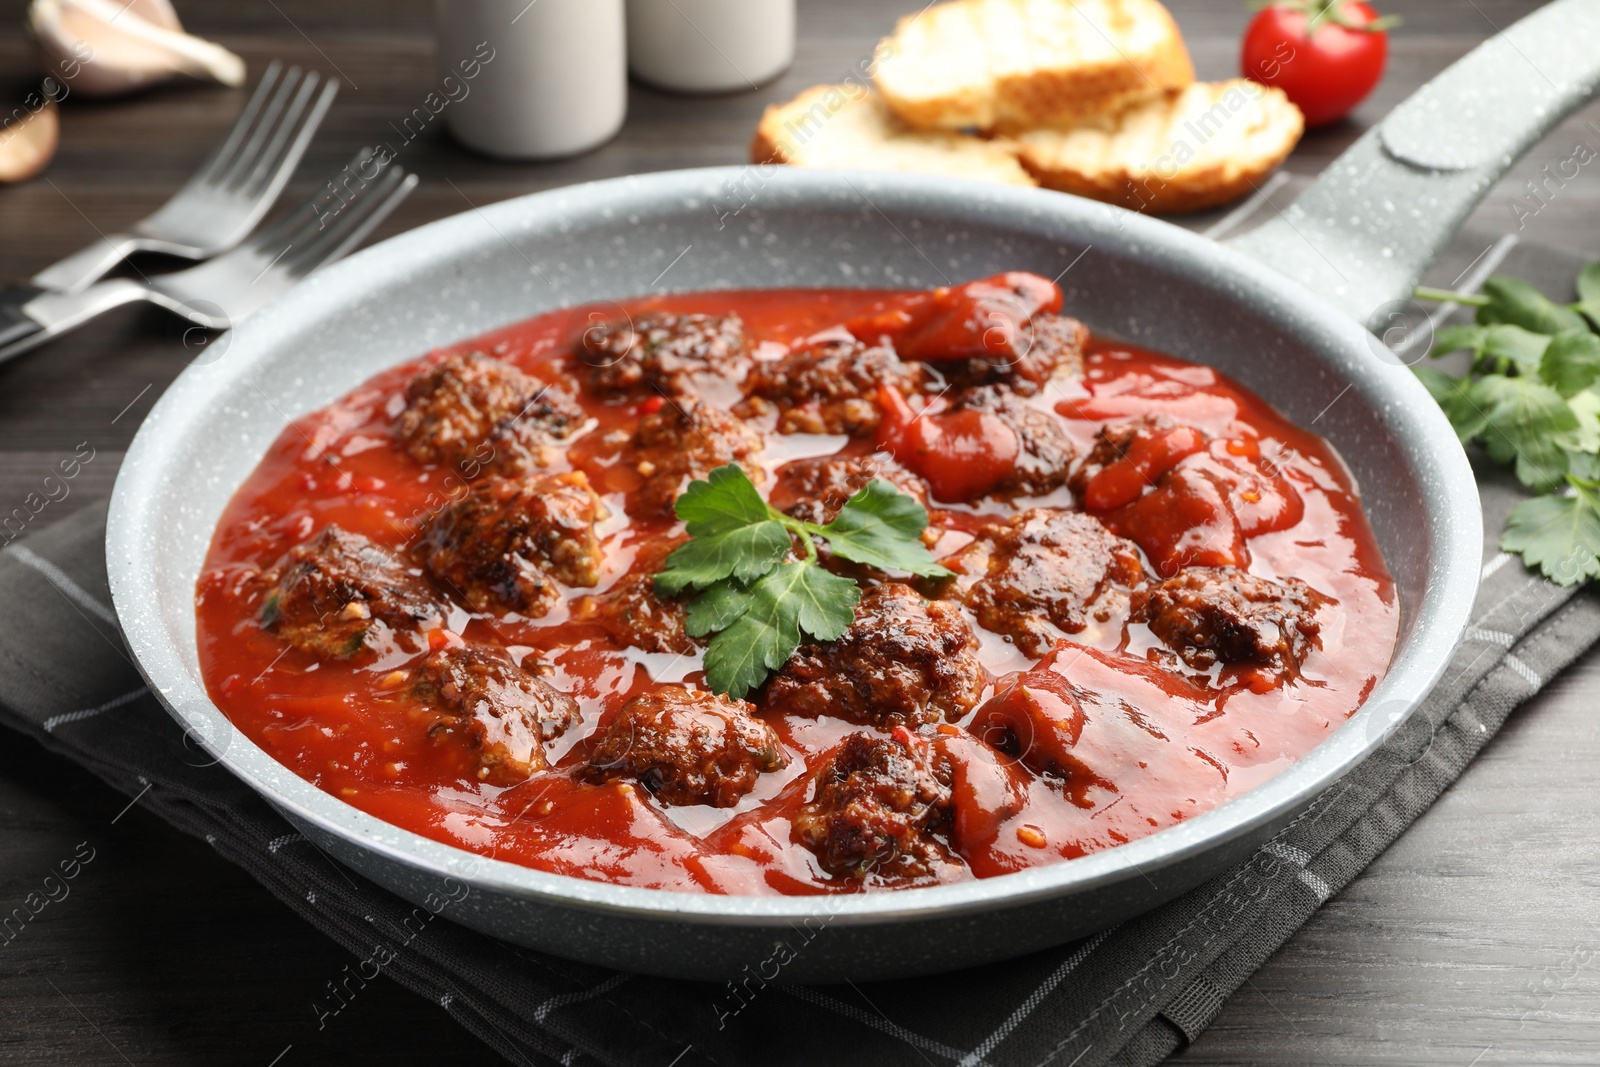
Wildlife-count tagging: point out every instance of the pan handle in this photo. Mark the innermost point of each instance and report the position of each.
(1365, 231)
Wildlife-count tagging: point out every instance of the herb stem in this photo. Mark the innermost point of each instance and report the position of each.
(805, 531)
(1449, 296)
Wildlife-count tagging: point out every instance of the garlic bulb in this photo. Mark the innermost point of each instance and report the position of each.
(28, 139)
(106, 48)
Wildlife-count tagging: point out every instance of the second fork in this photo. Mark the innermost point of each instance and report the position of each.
(220, 293)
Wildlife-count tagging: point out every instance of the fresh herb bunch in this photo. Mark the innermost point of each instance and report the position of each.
(755, 600)
(1530, 399)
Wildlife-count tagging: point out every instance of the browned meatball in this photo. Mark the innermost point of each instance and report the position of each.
(632, 614)
(1048, 569)
(1044, 452)
(1050, 346)
(813, 490)
(678, 444)
(903, 660)
(687, 747)
(830, 387)
(1211, 614)
(876, 809)
(500, 714)
(337, 594)
(477, 414)
(508, 542)
(662, 352)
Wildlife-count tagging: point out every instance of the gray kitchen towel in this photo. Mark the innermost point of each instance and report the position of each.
(1131, 995)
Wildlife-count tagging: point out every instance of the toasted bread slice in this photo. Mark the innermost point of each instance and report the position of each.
(1011, 65)
(1187, 150)
(848, 126)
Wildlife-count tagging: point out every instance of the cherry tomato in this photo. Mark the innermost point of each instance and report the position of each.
(1326, 73)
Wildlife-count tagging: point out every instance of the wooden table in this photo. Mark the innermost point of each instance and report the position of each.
(1474, 940)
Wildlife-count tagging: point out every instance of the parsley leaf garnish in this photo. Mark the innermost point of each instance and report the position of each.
(1531, 398)
(1558, 534)
(1572, 362)
(882, 527)
(758, 605)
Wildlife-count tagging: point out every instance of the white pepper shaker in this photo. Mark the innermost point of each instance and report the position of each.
(710, 46)
(548, 78)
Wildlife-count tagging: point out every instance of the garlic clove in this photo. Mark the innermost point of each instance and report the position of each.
(102, 48)
(157, 13)
(28, 141)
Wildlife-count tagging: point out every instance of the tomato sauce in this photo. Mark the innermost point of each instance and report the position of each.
(1134, 746)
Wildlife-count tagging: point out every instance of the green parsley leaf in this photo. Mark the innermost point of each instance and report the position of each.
(1514, 301)
(1589, 283)
(1584, 469)
(716, 609)
(1512, 347)
(1528, 423)
(793, 598)
(744, 553)
(1460, 336)
(1572, 362)
(882, 527)
(1589, 293)
(1586, 406)
(756, 607)
(1454, 397)
(725, 500)
(1497, 348)
(1558, 534)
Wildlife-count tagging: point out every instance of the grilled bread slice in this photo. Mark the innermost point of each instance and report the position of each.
(848, 126)
(1010, 65)
(1187, 150)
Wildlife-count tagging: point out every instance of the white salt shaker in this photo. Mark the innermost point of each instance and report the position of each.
(532, 79)
(710, 46)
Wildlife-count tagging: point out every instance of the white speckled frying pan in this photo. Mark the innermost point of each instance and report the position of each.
(1281, 311)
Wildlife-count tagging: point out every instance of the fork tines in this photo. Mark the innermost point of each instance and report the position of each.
(275, 126)
(335, 218)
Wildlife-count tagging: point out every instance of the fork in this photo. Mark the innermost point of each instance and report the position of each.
(230, 192)
(220, 293)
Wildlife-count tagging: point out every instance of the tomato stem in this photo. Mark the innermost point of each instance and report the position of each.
(1316, 11)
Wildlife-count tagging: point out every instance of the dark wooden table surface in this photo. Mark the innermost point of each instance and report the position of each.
(1474, 941)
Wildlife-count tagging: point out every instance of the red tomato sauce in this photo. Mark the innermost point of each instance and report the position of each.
(1135, 747)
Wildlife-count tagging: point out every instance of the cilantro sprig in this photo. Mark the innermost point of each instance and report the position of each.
(760, 585)
(1531, 398)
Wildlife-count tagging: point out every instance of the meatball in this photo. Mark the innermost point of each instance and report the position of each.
(813, 490)
(1048, 572)
(1044, 452)
(1049, 346)
(687, 747)
(876, 809)
(903, 660)
(660, 352)
(830, 387)
(477, 414)
(498, 713)
(632, 614)
(337, 595)
(1222, 614)
(1128, 458)
(508, 542)
(676, 445)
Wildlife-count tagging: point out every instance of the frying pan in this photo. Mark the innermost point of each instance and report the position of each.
(1282, 310)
